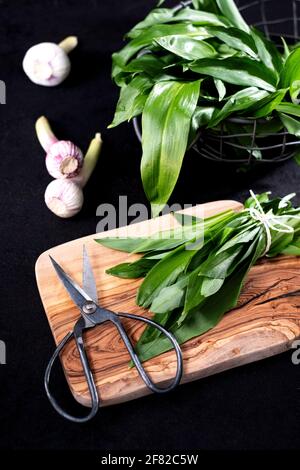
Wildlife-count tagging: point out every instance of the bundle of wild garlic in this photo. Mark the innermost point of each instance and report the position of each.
(200, 64)
(196, 274)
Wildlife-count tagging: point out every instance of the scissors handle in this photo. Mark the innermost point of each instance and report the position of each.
(77, 334)
(137, 361)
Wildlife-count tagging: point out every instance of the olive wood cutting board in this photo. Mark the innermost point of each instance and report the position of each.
(265, 322)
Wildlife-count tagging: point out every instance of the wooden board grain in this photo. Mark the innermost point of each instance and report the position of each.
(265, 322)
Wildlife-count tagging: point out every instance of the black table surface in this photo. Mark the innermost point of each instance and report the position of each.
(252, 407)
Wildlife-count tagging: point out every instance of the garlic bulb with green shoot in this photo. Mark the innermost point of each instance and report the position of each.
(64, 197)
(47, 63)
(63, 159)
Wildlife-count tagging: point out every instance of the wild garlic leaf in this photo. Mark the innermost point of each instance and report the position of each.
(186, 47)
(151, 334)
(291, 70)
(206, 5)
(267, 52)
(166, 240)
(235, 38)
(201, 319)
(168, 299)
(121, 58)
(292, 125)
(267, 105)
(166, 124)
(214, 267)
(161, 16)
(163, 274)
(201, 17)
(286, 49)
(155, 17)
(239, 101)
(295, 92)
(237, 71)
(132, 100)
(132, 270)
(229, 9)
(221, 88)
(289, 108)
(150, 65)
(293, 249)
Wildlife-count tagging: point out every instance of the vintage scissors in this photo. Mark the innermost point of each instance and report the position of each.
(92, 314)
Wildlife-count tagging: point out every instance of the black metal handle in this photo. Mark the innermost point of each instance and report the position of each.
(136, 359)
(77, 334)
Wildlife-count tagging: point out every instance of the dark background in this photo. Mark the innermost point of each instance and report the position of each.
(253, 407)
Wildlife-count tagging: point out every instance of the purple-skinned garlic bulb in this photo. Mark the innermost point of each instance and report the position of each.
(47, 63)
(64, 198)
(63, 158)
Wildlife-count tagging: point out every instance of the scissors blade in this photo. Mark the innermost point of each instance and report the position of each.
(74, 290)
(88, 279)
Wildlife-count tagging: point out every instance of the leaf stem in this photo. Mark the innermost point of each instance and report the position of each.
(68, 44)
(44, 133)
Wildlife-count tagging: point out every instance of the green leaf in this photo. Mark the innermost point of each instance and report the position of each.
(132, 100)
(239, 101)
(168, 299)
(291, 124)
(149, 64)
(162, 275)
(221, 88)
(166, 240)
(201, 17)
(286, 49)
(145, 39)
(291, 70)
(206, 5)
(289, 108)
(200, 118)
(155, 17)
(238, 71)
(132, 270)
(201, 319)
(186, 47)
(230, 11)
(295, 91)
(161, 16)
(166, 123)
(267, 52)
(266, 106)
(235, 38)
(293, 249)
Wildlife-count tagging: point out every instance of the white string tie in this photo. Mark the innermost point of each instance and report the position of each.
(270, 221)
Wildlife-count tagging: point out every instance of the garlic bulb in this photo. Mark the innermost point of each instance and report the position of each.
(64, 159)
(47, 63)
(64, 198)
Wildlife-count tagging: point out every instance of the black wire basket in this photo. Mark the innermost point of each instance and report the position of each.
(275, 19)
